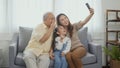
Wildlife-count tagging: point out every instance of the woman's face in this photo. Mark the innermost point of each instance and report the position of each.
(64, 20)
(50, 19)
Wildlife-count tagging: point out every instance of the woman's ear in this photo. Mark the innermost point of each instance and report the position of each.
(58, 33)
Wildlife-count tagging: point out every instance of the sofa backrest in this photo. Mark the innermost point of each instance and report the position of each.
(83, 36)
(25, 35)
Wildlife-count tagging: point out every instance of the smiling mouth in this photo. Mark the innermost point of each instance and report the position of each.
(66, 23)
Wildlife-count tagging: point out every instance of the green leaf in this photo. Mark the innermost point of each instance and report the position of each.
(114, 52)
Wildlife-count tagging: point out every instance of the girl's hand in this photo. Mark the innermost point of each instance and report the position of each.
(63, 54)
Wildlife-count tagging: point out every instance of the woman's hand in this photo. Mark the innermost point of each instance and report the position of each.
(91, 11)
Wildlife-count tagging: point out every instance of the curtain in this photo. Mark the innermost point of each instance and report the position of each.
(3, 24)
(4, 27)
(76, 10)
(29, 13)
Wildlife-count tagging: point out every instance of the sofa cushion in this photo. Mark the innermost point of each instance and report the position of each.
(51, 65)
(19, 59)
(82, 34)
(24, 37)
(89, 59)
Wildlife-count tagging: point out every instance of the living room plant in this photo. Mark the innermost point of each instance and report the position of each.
(114, 53)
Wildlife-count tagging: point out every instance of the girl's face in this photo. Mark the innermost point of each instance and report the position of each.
(64, 20)
(61, 30)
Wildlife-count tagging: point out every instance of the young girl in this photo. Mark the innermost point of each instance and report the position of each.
(62, 46)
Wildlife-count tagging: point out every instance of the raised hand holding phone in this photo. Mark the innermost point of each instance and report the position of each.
(90, 9)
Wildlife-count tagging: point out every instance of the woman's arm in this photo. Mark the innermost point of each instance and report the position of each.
(82, 23)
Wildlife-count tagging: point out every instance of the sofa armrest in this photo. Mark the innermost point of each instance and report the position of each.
(13, 49)
(96, 49)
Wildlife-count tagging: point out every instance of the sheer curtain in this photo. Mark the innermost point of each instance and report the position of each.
(3, 27)
(77, 10)
(2, 15)
(29, 13)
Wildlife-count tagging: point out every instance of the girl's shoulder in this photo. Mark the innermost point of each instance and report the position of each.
(67, 38)
(57, 38)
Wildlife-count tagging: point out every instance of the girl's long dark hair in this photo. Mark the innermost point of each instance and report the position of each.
(69, 27)
(54, 36)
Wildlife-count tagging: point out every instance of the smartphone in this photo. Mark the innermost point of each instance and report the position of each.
(88, 6)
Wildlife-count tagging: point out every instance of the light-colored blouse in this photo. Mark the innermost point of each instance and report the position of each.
(59, 44)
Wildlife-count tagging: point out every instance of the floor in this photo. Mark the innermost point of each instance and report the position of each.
(102, 67)
(4, 67)
(105, 67)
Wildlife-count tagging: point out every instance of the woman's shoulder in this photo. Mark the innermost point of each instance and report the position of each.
(76, 23)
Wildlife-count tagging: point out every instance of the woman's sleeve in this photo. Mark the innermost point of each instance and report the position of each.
(67, 49)
(78, 25)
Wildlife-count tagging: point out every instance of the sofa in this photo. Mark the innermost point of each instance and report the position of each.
(93, 58)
